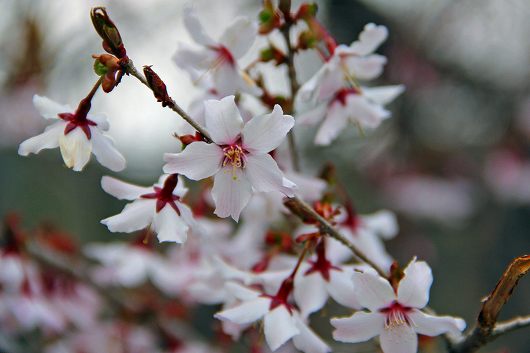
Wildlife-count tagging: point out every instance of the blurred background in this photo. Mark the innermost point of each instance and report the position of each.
(453, 161)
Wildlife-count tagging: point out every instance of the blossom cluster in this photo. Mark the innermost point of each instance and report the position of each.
(265, 266)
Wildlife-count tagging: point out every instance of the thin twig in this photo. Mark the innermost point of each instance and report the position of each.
(305, 212)
(487, 328)
(174, 106)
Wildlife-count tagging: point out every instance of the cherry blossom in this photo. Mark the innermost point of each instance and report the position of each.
(159, 206)
(238, 157)
(334, 95)
(394, 313)
(76, 133)
(281, 320)
(219, 58)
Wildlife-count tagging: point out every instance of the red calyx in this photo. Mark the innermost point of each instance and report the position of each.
(165, 195)
(79, 119)
(281, 297)
(343, 94)
(322, 264)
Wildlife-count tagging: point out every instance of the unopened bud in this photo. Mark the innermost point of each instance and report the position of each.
(108, 31)
(306, 11)
(273, 53)
(307, 40)
(269, 18)
(158, 87)
(109, 67)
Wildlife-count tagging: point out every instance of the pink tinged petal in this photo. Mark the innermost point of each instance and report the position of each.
(231, 192)
(195, 28)
(310, 292)
(49, 109)
(279, 327)
(335, 121)
(340, 288)
(312, 116)
(372, 291)
(366, 68)
(359, 327)
(199, 160)
(48, 139)
(239, 36)
(169, 226)
(223, 120)
(105, 152)
(265, 133)
(383, 95)
(307, 341)
(122, 190)
(370, 38)
(367, 114)
(414, 288)
(75, 149)
(383, 223)
(247, 312)
(135, 216)
(399, 339)
(264, 174)
(430, 325)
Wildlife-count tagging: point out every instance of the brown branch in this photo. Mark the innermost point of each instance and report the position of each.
(307, 213)
(487, 328)
(173, 105)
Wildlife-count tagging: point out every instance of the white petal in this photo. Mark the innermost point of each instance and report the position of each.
(199, 160)
(264, 174)
(247, 312)
(364, 112)
(136, 215)
(195, 28)
(239, 36)
(370, 38)
(101, 120)
(279, 327)
(359, 327)
(383, 223)
(241, 292)
(312, 116)
(48, 139)
(223, 120)
(310, 292)
(366, 68)
(169, 226)
(226, 79)
(308, 188)
(399, 339)
(383, 95)
(414, 288)
(372, 291)
(430, 325)
(187, 216)
(49, 109)
(191, 59)
(75, 149)
(231, 192)
(372, 246)
(265, 133)
(105, 152)
(122, 190)
(335, 121)
(340, 288)
(307, 341)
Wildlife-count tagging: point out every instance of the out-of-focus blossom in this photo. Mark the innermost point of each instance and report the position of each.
(218, 58)
(159, 206)
(77, 134)
(508, 176)
(334, 95)
(394, 313)
(238, 157)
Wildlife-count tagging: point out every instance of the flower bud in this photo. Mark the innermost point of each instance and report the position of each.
(269, 18)
(108, 66)
(306, 11)
(106, 29)
(158, 87)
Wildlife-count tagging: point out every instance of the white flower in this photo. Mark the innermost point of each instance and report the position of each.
(395, 316)
(77, 134)
(335, 96)
(219, 58)
(159, 206)
(238, 157)
(281, 320)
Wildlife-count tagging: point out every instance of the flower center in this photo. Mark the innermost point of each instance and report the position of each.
(165, 194)
(225, 55)
(396, 315)
(234, 155)
(343, 94)
(79, 119)
(322, 264)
